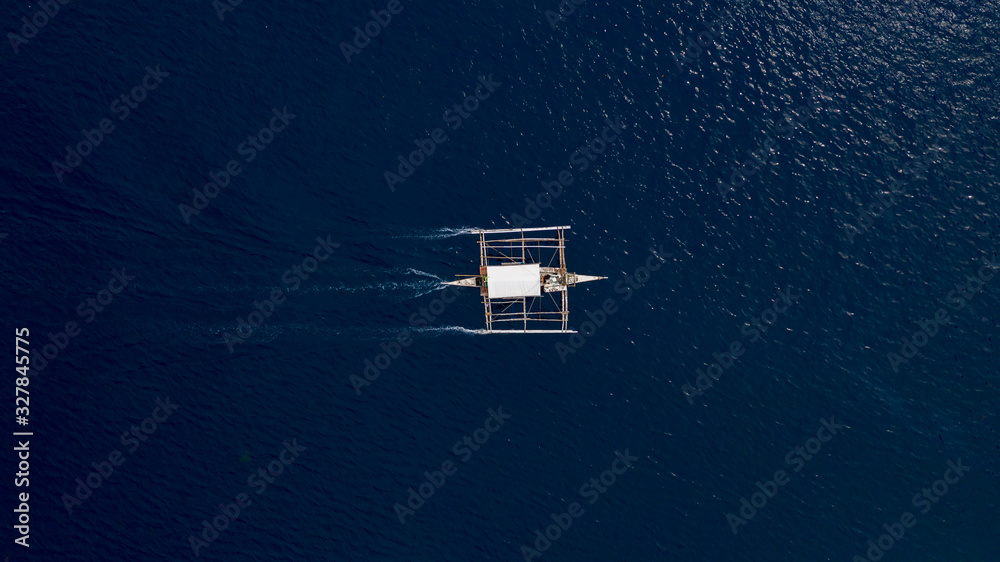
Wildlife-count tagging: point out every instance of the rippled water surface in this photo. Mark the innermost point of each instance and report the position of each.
(844, 153)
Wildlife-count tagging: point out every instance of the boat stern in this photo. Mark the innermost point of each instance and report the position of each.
(466, 282)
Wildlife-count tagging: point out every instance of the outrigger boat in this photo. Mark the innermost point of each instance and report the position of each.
(514, 283)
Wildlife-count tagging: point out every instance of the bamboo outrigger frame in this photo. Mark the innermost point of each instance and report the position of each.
(524, 284)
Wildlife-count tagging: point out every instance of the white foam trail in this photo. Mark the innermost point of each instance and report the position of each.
(385, 287)
(268, 333)
(442, 330)
(214, 334)
(423, 273)
(440, 233)
(411, 289)
(437, 287)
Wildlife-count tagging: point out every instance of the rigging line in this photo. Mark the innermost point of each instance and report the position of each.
(502, 254)
(558, 307)
(506, 307)
(552, 259)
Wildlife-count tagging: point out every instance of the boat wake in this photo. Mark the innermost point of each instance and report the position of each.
(435, 331)
(214, 334)
(407, 289)
(409, 281)
(438, 233)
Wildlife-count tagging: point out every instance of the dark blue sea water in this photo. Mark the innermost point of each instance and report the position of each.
(840, 155)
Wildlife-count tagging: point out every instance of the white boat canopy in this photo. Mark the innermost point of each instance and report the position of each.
(513, 281)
